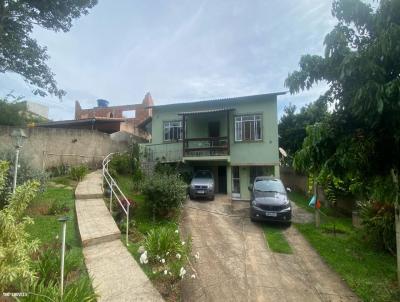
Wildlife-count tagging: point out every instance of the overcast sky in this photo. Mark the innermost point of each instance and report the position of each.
(180, 51)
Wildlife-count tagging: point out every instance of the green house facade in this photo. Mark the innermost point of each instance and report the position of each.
(235, 138)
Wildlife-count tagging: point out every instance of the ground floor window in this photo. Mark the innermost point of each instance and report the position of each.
(260, 171)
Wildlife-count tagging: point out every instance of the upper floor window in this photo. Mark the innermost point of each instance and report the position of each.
(172, 131)
(248, 128)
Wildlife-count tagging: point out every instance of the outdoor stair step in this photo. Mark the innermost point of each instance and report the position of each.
(96, 225)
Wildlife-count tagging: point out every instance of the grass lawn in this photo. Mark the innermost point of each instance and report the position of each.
(56, 201)
(46, 227)
(300, 200)
(371, 274)
(276, 240)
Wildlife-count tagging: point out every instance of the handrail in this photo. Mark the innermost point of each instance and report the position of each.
(119, 195)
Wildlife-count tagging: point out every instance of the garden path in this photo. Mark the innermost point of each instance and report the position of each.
(236, 265)
(116, 275)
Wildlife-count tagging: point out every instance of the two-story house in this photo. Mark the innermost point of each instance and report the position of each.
(235, 138)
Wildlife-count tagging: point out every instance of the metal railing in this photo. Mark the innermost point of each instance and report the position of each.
(206, 146)
(165, 153)
(116, 192)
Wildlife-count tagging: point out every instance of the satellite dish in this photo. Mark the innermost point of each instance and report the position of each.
(283, 152)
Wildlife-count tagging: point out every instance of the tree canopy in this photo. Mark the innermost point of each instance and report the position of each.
(292, 125)
(360, 141)
(20, 53)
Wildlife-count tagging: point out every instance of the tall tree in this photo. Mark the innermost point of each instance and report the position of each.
(21, 54)
(292, 126)
(361, 139)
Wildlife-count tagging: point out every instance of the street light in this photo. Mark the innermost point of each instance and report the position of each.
(18, 137)
(63, 220)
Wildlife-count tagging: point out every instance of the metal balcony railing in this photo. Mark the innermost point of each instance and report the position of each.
(206, 146)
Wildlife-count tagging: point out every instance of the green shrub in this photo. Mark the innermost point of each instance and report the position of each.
(79, 290)
(16, 245)
(166, 251)
(59, 170)
(123, 163)
(58, 207)
(78, 173)
(26, 172)
(164, 193)
(379, 224)
(47, 266)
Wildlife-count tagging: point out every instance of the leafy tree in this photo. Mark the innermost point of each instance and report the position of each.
(22, 54)
(292, 126)
(360, 141)
(10, 113)
(15, 244)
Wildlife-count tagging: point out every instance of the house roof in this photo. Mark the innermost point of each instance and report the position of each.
(223, 101)
(103, 124)
(206, 111)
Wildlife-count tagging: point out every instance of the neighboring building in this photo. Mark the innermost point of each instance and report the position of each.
(111, 119)
(236, 138)
(36, 111)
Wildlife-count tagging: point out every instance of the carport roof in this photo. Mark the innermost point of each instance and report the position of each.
(206, 111)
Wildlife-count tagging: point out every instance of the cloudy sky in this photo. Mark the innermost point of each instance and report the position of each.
(180, 51)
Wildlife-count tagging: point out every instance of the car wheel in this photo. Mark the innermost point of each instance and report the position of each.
(212, 198)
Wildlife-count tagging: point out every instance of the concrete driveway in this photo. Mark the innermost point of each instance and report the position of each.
(236, 265)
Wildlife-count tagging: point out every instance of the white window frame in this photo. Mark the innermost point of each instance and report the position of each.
(167, 129)
(240, 120)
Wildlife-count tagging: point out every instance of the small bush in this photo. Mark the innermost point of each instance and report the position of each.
(59, 170)
(57, 207)
(164, 193)
(78, 173)
(26, 172)
(379, 224)
(123, 164)
(80, 290)
(16, 246)
(47, 266)
(166, 252)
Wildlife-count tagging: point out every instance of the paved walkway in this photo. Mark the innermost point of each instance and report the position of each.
(236, 265)
(116, 275)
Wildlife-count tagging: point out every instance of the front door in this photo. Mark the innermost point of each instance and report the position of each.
(235, 183)
(222, 180)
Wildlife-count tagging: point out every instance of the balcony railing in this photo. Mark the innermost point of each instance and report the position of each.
(207, 146)
(161, 152)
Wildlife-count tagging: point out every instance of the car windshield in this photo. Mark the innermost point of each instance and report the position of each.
(269, 185)
(203, 174)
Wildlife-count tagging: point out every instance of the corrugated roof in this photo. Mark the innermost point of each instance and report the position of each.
(224, 100)
(82, 121)
(206, 111)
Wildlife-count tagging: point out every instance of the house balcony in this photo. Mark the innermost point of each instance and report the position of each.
(207, 146)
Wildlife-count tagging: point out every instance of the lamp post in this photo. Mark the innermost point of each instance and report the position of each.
(18, 136)
(63, 220)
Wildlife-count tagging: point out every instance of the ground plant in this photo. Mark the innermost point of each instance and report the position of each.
(79, 172)
(158, 236)
(164, 193)
(16, 245)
